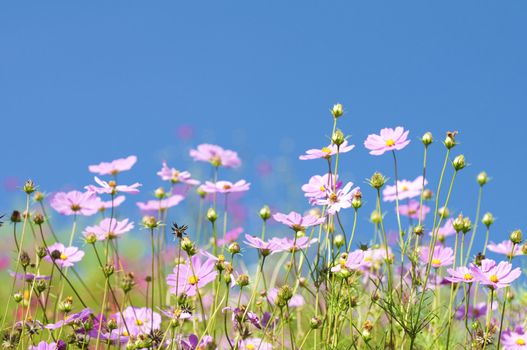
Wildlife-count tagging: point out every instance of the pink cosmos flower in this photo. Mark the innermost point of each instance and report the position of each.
(495, 276)
(293, 245)
(139, 321)
(68, 255)
(318, 186)
(376, 256)
(326, 152)
(117, 201)
(189, 278)
(441, 256)
(160, 204)
(506, 248)
(514, 339)
(474, 312)
(114, 167)
(51, 346)
(354, 261)
(216, 155)
(176, 176)
(108, 229)
(226, 186)
(412, 210)
(388, 140)
(296, 301)
(446, 230)
(75, 203)
(298, 222)
(460, 274)
(254, 343)
(265, 248)
(340, 199)
(112, 187)
(406, 189)
(230, 236)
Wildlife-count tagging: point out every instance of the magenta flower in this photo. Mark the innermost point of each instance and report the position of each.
(514, 339)
(114, 167)
(293, 245)
(139, 321)
(505, 248)
(82, 315)
(75, 203)
(326, 152)
(460, 274)
(108, 228)
(495, 276)
(68, 255)
(388, 140)
(265, 248)
(230, 236)
(298, 222)
(225, 186)
(354, 261)
(112, 187)
(190, 277)
(406, 189)
(29, 277)
(412, 210)
(60, 345)
(341, 199)
(160, 204)
(474, 312)
(216, 155)
(318, 186)
(441, 256)
(176, 176)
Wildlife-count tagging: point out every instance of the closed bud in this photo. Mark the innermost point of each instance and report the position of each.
(443, 212)
(18, 297)
(338, 137)
(419, 230)
(227, 278)
(300, 234)
(458, 223)
(285, 293)
(265, 213)
(90, 238)
(40, 286)
(516, 236)
(450, 140)
(315, 322)
(41, 252)
(108, 270)
(66, 305)
(112, 324)
(15, 216)
(482, 178)
(524, 249)
(337, 110)
(234, 248)
(188, 246)
(427, 194)
(339, 241)
(150, 222)
(29, 187)
(478, 259)
(427, 139)
(38, 219)
(159, 193)
(488, 219)
(375, 217)
(25, 260)
(377, 180)
(38, 196)
(459, 162)
(242, 280)
(128, 282)
(302, 281)
(467, 225)
(212, 215)
(356, 202)
(201, 192)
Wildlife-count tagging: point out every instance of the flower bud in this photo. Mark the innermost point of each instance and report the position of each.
(315, 322)
(90, 238)
(29, 187)
(201, 192)
(38, 219)
(375, 217)
(450, 140)
(285, 293)
(427, 194)
(467, 225)
(339, 241)
(108, 270)
(488, 219)
(25, 260)
(459, 162)
(128, 282)
(265, 213)
(338, 137)
(16, 216)
(443, 212)
(524, 249)
(242, 280)
(150, 222)
(159, 193)
(40, 286)
(212, 216)
(300, 234)
(478, 259)
(356, 202)
(419, 230)
(38, 196)
(188, 246)
(234, 248)
(112, 324)
(337, 110)
(18, 297)
(66, 305)
(458, 223)
(482, 178)
(516, 236)
(377, 180)
(41, 252)
(427, 138)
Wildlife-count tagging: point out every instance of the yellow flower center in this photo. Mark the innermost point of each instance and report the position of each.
(139, 322)
(75, 207)
(322, 188)
(63, 256)
(520, 341)
(326, 150)
(252, 347)
(494, 279)
(226, 187)
(390, 142)
(468, 277)
(404, 188)
(333, 197)
(112, 183)
(125, 333)
(436, 261)
(193, 279)
(215, 160)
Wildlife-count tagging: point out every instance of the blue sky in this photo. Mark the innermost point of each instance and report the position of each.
(82, 82)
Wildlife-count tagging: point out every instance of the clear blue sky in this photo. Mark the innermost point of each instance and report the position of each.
(82, 82)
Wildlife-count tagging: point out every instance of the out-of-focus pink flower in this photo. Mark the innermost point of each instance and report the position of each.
(230, 236)
(108, 228)
(318, 186)
(406, 189)
(413, 210)
(298, 222)
(51, 346)
(326, 152)
(114, 167)
(505, 248)
(112, 187)
(139, 321)
(254, 343)
(176, 176)
(4, 262)
(460, 274)
(441, 256)
(215, 155)
(75, 203)
(354, 261)
(226, 186)
(160, 204)
(388, 140)
(340, 199)
(185, 132)
(265, 248)
(495, 276)
(293, 245)
(474, 312)
(117, 201)
(446, 230)
(515, 339)
(68, 255)
(296, 301)
(189, 278)
(264, 168)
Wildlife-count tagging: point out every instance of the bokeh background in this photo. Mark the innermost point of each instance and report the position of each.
(84, 82)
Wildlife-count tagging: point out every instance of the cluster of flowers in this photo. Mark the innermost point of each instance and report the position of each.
(309, 289)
